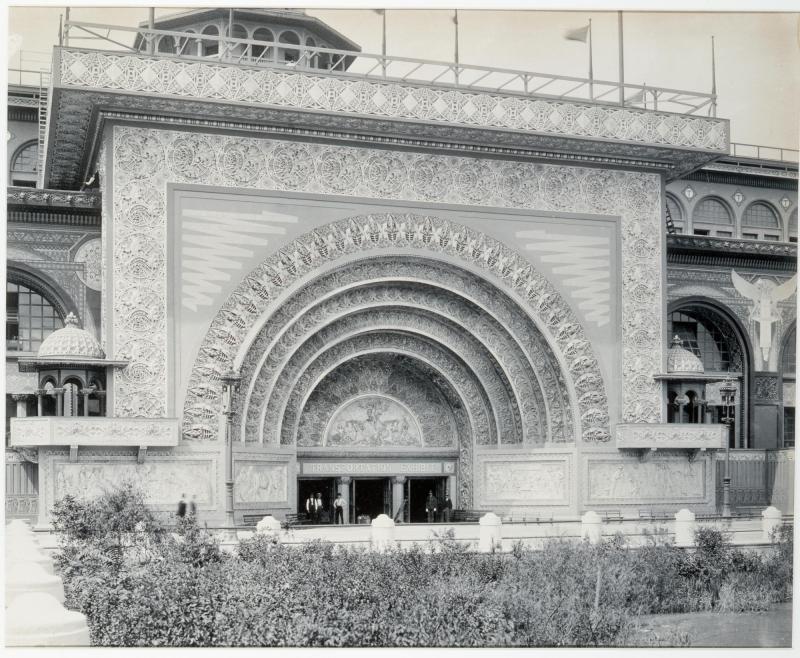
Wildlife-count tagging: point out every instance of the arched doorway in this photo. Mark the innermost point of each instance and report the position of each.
(713, 335)
(387, 299)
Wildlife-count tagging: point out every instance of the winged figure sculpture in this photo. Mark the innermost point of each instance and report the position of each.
(765, 295)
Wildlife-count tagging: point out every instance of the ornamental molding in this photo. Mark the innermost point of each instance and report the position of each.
(665, 436)
(753, 170)
(767, 388)
(86, 81)
(732, 245)
(26, 196)
(146, 160)
(475, 330)
(326, 93)
(87, 431)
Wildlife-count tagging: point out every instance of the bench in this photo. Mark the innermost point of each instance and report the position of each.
(292, 520)
(253, 518)
(612, 515)
(466, 515)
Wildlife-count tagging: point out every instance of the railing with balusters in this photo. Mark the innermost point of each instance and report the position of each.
(764, 152)
(253, 52)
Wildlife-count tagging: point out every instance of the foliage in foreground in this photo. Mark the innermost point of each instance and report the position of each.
(139, 585)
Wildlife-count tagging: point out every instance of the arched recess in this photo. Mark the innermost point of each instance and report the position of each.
(787, 382)
(709, 311)
(44, 285)
(271, 287)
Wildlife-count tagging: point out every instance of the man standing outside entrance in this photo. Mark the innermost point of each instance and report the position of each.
(338, 509)
(431, 505)
(312, 508)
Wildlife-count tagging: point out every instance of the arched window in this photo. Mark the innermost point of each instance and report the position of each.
(760, 221)
(187, 45)
(311, 58)
(712, 217)
(289, 54)
(238, 32)
(26, 159)
(210, 48)
(711, 337)
(264, 53)
(30, 318)
(166, 45)
(675, 214)
(788, 375)
(73, 398)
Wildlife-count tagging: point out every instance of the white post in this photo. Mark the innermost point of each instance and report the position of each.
(771, 519)
(271, 527)
(685, 526)
(37, 619)
(491, 533)
(592, 527)
(382, 533)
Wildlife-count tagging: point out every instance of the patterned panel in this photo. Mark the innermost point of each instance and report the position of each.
(302, 90)
(146, 159)
(660, 480)
(585, 264)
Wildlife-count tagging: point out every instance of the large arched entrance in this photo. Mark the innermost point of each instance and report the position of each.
(404, 339)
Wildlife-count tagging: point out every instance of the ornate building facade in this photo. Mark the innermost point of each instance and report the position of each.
(415, 286)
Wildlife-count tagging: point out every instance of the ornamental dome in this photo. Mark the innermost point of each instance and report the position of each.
(71, 342)
(680, 359)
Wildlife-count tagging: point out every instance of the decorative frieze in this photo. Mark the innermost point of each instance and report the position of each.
(27, 196)
(93, 431)
(311, 91)
(617, 481)
(766, 388)
(662, 436)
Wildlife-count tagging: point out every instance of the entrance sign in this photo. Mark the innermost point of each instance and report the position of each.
(375, 468)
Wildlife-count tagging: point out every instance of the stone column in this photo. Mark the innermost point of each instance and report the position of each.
(86, 392)
(684, 528)
(22, 408)
(452, 490)
(398, 482)
(59, 393)
(39, 404)
(344, 489)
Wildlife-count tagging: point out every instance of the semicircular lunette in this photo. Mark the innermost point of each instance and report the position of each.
(515, 279)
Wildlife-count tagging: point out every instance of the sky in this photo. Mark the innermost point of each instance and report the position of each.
(757, 54)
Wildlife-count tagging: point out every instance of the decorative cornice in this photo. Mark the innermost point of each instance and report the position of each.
(790, 171)
(704, 250)
(87, 80)
(26, 196)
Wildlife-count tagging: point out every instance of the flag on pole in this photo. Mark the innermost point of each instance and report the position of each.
(580, 34)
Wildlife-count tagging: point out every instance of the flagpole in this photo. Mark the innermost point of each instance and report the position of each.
(383, 45)
(591, 69)
(455, 21)
(621, 62)
(713, 80)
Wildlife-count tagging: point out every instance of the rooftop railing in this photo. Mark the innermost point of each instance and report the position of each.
(251, 52)
(764, 152)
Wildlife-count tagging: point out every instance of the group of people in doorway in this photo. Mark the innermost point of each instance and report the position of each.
(315, 509)
(435, 512)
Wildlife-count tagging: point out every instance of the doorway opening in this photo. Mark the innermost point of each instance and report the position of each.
(417, 494)
(370, 497)
(311, 487)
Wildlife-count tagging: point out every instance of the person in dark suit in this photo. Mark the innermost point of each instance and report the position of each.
(447, 509)
(182, 506)
(431, 506)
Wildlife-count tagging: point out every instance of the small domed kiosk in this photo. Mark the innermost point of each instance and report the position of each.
(71, 367)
